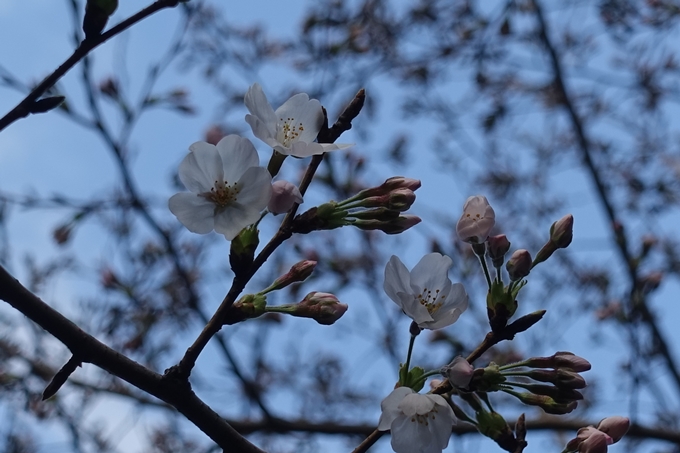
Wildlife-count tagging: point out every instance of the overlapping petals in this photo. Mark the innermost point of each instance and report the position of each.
(228, 188)
(418, 423)
(292, 128)
(426, 294)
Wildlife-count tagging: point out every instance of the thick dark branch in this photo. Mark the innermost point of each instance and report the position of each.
(638, 301)
(90, 350)
(24, 108)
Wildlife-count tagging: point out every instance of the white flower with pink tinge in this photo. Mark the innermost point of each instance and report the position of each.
(426, 294)
(292, 128)
(418, 423)
(477, 220)
(228, 188)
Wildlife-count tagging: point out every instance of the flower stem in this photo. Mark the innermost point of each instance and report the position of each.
(512, 365)
(482, 261)
(410, 350)
(424, 377)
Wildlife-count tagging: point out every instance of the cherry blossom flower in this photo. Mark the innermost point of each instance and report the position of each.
(284, 195)
(292, 128)
(477, 220)
(426, 294)
(418, 423)
(228, 188)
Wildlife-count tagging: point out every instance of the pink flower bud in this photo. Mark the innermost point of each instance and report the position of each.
(498, 247)
(616, 427)
(562, 359)
(299, 272)
(459, 372)
(561, 378)
(214, 134)
(519, 265)
(284, 196)
(562, 231)
(395, 226)
(391, 184)
(324, 308)
(477, 220)
(589, 440)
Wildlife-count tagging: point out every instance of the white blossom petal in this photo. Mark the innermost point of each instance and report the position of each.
(390, 407)
(410, 436)
(256, 188)
(195, 212)
(199, 170)
(397, 279)
(257, 104)
(431, 272)
(416, 403)
(263, 131)
(238, 155)
(305, 112)
(232, 220)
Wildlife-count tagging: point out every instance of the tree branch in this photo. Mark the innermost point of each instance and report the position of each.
(24, 108)
(90, 350)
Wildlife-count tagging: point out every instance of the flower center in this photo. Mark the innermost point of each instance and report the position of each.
(222, 194)
(431, 300)
(288, 131)
(424, 419)
(476, 217)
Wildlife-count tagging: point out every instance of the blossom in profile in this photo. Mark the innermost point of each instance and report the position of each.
(426, 293)
(477, 220)
(292, 128)
(418, 423)
(284, 195)
(228, 188)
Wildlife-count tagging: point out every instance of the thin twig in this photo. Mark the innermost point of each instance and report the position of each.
(23, 109)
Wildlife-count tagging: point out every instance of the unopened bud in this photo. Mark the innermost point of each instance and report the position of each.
(616, 427)
(324, 308)
(562, 359)
(393, 183)
(549, 405)
(589, 440)
(97, 13)
(62, 234)
(396, 226)
(498, 247)
(519, 265)
(561, 378)
(214, 134)
(379, 214)
(477, 220)
(284, 196)
(560, 395)
(109, 87)
(459, 372)
(299, 272)
(562, 231)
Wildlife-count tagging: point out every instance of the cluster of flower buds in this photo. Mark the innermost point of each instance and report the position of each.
(378, 208)
(595, 440)
(561, 370)
(474, 226)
